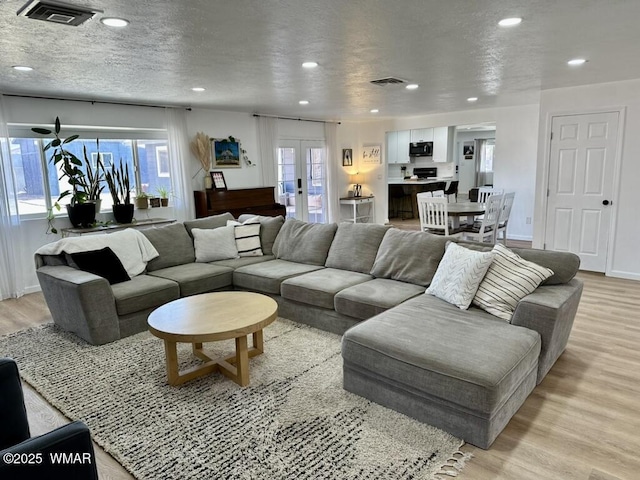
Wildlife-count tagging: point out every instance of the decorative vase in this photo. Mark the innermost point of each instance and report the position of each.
(164, 202)
(154, 202)
(208, 182)
(82, 215)
(123, 213)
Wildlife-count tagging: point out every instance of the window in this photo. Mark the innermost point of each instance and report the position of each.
(37, 181)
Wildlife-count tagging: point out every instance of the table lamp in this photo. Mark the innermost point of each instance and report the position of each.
(357, 188)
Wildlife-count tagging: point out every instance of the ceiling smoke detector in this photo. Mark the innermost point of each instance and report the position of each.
(57, 12)
(383, 82)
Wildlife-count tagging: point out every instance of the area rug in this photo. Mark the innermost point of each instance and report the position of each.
(294, 420)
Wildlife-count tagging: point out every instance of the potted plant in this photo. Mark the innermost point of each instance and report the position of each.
(120, 188)
(142, 201)
(164, 195)
(154, 202)
(81, 209)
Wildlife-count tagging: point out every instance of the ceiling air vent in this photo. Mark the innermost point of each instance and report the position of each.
(387, 81)
(57, 12)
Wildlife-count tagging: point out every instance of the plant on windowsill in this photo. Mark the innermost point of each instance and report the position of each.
(164, 195)
(120, 189)
(142, 201)
(86, 185)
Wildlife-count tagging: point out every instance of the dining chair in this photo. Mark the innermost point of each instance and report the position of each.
(485, 192)
(439, 194)
(452, 189)
(434, 215)
(503, 219)
(487, 228)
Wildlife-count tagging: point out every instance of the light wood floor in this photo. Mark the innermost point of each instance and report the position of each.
(582, 422)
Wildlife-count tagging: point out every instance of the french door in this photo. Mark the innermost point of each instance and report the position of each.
(302, 179)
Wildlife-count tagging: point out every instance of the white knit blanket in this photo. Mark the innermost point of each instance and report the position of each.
(132, 248)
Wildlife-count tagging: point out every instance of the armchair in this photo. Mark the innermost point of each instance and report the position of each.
(64, 453)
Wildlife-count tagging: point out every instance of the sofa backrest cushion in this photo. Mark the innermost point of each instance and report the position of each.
(214, 221)
(303, 242)
(269, 229)
(564, 265)
(411, 257)
(174, 245)
(355, 246)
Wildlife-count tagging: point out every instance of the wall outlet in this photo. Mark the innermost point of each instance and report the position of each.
(528, 221)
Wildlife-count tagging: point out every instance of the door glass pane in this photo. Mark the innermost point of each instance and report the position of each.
(27, 170)
(286, 179)
(316, 204)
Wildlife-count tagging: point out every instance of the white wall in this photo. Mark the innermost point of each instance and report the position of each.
(624, 260)
(467, 168)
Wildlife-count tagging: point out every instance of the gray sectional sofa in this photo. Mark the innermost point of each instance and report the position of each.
(464, 371)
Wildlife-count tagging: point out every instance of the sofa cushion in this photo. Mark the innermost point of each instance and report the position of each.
(213, 244)
(466, 357)
(195, 278)
(411, 257)
(459, 275)
(174, 245)
(320, 287)
(266, 277)
(103, 263)
(509, 279)
(303, 242)
(355, 246)
(242, 261)
(247, 239)
(269, 228)
(368, 299)
(214, 221)
(143, 292)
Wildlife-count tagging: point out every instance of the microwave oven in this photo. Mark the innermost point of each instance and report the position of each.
(421, 149)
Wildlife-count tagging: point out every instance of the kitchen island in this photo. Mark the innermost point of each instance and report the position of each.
(402, 192)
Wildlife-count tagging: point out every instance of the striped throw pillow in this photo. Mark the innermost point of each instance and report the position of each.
(458, 275)
(248, 240)
(509, 279)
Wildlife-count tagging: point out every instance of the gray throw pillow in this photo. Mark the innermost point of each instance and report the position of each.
(355, 246)
(214, 221)
(411, 257)
(174, 245)
(304, 242)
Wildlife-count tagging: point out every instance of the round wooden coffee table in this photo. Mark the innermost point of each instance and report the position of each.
(211, 317)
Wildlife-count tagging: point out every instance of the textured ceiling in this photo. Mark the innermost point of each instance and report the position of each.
(248, 53)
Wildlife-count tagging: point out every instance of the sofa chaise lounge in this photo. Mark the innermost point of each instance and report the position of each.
(465, 371)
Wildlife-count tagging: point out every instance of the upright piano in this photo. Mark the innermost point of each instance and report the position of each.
(259, 201)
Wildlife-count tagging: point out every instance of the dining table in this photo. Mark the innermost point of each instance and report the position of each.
(464, 209)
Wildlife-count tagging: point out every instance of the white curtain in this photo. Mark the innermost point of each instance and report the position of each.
(481, 177)
(11, 279)
(333, 188)
(179, 154)
(268, 145)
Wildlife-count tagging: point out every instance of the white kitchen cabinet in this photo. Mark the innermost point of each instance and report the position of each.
(422, 135)
(398, 146)
(440, 144)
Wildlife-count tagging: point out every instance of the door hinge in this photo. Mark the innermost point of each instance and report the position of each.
(547, 192)
(551, 135)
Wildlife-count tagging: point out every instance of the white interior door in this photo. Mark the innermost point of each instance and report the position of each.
(302, 179)
(579, 204)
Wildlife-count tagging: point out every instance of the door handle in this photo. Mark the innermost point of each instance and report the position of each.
(606, 202)
(300, 186)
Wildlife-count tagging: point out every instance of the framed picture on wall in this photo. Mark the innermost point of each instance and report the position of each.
(372, 154)
(226, 152)
(217, 178)
(347, 157)
(467, 150)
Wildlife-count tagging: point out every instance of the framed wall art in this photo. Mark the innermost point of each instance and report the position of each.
(217, 178)
(372, 154)
(226, 152)
(347, 157)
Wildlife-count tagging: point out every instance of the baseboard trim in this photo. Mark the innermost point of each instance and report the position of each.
(625, 275)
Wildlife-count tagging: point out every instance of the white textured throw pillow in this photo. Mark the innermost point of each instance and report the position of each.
(459, 274)
(509, 279)
(248, 240)
(213, 244)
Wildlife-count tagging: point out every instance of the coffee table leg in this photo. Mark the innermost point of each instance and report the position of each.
(258, 343)
(171, 357)
(242, 361)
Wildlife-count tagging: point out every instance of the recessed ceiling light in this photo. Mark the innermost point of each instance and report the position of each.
(412, 86)
(198, 89)
(472, 99)
(115, 22)
(510, 22)
(374, 110)
(304, 102)
(22, 68)
(310, 64)
(577, 61)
